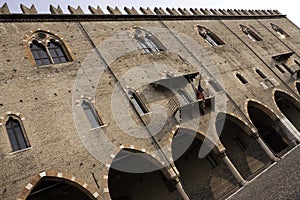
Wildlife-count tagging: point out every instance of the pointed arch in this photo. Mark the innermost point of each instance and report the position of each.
(16, 133)
(209, 36)
(47, 48)
(289, 107)
(242, 79)
(250, 33)
(135, 173)
(241, 147)
(50, 184)
(269, 127)
(148, 42)
(209, 168)
(279, 31)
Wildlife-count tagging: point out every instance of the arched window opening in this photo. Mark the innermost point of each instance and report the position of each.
(250, 33)
(16, 134)
(147, 41)
(279, 68)
(91, 114)
(137, 102)
(215, 85)
(48, 49)
(39, 53)
(298, 87)
(241, 78)
(260, 73)
(279, 31)
(57, 53)
(210, 37)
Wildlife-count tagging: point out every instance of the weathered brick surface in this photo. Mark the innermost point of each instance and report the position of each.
(45, 95)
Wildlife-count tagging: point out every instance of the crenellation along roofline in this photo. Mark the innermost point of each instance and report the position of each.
(142, 13)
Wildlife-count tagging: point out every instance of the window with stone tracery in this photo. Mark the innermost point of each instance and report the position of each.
(48, 49)
(209, 36)
(147, 41)
(250, 33)
(279, 31)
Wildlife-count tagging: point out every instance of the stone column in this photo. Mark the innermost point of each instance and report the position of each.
(232, 169)
(180, 188)
(266, 149)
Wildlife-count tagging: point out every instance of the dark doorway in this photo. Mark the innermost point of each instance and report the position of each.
(135, 175)
(202, 178)
(49, 188)
(289, 107)
(266, 128)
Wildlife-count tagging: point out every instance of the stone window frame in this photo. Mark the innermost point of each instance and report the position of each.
(209, 36)
(20, 119)
(241, 78)
(147, 41)
(38, 38)
(260, 73)
(250, 33)
(95, 114)
(279, 31)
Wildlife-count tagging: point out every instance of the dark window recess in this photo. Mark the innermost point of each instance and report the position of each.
(137, 102)
(279, 68)
(297, 63)
(147, 41)
(212, 160)
(260, 73)
(187, 99)
(215, 85)
(279, 31)
(241, 143)
(91, 114)
(56, 53)
(287, 68)
(47, 49)
(40, 54)
(250, 33)
(241, 78)
(16, 135)
(209, 36)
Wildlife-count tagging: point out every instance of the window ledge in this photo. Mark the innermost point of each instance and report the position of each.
(98, 127)
(21, 150)
(144, 114)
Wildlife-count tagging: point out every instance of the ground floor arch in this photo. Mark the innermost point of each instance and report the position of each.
(49, 188)
(202, 177)
(268, 126)
(241, 147)
(135, 175)
(289, 107)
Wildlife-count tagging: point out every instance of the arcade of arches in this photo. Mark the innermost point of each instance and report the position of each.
(49, 188)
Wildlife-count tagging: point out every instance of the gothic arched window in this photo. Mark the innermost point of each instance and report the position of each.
(279, 31)
(147, 41)
(209, 36)
(250, 33)
(48, 49)
(91, 114)
(16, 134)
(137, 102)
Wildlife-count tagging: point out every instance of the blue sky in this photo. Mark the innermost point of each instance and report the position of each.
(287, 7)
